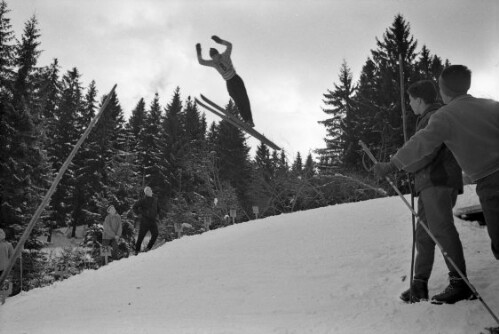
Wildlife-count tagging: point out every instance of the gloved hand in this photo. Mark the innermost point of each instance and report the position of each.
(216, 38)
(382, 169)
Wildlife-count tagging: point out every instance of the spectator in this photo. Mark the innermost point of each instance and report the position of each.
(6, 252)
(112, 231)
(148, 210)
(437, 184)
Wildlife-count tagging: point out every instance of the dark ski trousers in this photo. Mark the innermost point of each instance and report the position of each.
(145, 226)
(487, 189)
(435, 211)
(237, 91)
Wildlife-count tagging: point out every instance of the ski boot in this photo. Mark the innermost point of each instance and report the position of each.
(419, 292)
(457, 290)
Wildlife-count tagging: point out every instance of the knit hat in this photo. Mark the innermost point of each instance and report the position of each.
(455, 80)
(2, 235)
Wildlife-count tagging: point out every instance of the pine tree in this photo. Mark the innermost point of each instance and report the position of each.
(309, 167)
(341, 139)
(427, 66)
(194, 124)
(263, 162)
(149, 147)
(366, 124)
(196, 151)
(48, 88)
(25, 171)
(67, 132)
(397, 40)
(110, 144)
(108, 139)
(262, 178)
(84, 163)
(7, 49)
(297, 167)
(175, 147)
(211, 135)
(27, 54)
(136, 122)
(233, 159)
(282, 185)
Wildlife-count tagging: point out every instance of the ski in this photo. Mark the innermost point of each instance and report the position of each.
(220, 112)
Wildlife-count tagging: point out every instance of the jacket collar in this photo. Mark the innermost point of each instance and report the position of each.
(460, 97)
(432, 107)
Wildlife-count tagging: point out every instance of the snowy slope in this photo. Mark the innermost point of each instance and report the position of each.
(338, 269)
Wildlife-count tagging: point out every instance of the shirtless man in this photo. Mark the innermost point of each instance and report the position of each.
(235, 85)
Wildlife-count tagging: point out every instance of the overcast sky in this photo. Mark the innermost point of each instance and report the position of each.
(288, 52)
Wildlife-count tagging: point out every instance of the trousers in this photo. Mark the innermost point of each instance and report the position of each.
(487, 189)
(237, 91)
(435, 211)
(147, 225)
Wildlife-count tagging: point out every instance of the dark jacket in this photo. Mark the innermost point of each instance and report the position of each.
(469, 127)
(147, 208)
(440, 168)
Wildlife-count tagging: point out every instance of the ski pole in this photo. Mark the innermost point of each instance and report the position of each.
(465, 279)
(404, 127)
(52, 188)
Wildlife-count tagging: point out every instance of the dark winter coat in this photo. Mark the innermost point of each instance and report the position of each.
(147, 208)
(440, 168)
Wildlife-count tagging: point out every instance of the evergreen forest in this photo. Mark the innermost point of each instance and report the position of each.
(197, 170)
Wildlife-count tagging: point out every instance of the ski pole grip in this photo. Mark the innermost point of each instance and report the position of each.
(368, 152)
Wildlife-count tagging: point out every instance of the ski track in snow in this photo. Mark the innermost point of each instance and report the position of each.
(337, 269)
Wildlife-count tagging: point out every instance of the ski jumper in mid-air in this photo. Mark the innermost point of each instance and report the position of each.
(235, 85)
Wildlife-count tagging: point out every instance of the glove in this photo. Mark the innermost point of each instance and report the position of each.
(216, 38)
(382, 169)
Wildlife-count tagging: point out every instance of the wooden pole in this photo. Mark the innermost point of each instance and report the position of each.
(402, 97)
(52, 188)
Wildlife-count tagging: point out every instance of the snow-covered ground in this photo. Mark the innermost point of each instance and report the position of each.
(338, 269)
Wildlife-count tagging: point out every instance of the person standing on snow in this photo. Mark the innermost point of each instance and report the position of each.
(148, 210)
(469, 127)
(235, 85)
(6, 252)
(437, 183)
(112, 230)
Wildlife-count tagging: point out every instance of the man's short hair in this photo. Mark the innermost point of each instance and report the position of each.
(425, 90)
(213, 52)
(455, 80)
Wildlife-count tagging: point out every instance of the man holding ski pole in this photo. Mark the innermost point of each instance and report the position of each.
(469, 127)
(437, 184)
(235, 85)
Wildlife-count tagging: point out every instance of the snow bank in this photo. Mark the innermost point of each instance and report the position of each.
(338, 269)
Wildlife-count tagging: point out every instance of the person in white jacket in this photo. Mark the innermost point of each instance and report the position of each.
(6, 252)
(112, 230)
